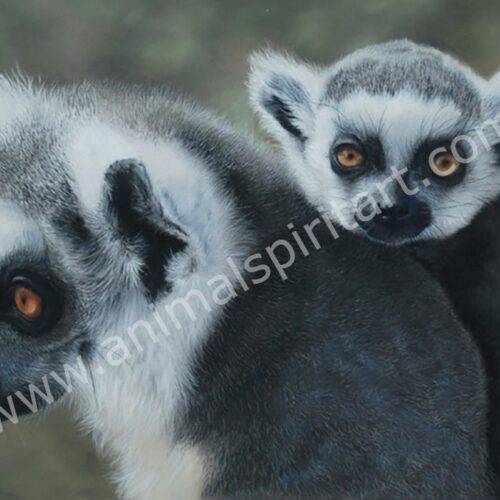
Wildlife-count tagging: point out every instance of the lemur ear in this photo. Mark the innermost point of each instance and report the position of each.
(284, 92)
(136, 215)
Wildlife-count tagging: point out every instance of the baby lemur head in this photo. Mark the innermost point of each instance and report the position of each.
(396, 141)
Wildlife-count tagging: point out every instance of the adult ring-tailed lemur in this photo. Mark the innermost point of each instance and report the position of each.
(216, 334)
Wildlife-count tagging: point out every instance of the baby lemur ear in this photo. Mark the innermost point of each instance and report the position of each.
(138, 220)
(284, 92)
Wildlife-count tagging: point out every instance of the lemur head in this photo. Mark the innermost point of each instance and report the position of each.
(86, 239)
(393, 141)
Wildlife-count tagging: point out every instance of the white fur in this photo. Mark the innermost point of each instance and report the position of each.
(132, 411)
(495, 81)
(400, 121)
(14, 102)
(17, 231)
(492, 103)
(263, 65)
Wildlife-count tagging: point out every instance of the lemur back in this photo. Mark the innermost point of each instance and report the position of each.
(227, 341)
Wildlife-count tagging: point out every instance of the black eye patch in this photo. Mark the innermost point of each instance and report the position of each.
(371, 148)
(497, 153)
(375, 152)
(17, 275)
(423, 154)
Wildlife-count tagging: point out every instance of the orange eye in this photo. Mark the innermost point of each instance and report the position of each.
(28, 303)
(445, 164)
(350, 156)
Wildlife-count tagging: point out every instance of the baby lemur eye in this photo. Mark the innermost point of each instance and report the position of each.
(445, 165)
(349, 156)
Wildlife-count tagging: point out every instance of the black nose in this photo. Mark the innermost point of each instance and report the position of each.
(405, 218)
(396, 213)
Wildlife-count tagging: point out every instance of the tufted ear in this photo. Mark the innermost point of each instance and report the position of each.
(284, 92)
(138, 220)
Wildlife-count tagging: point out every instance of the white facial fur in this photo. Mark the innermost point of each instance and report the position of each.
(17, 232)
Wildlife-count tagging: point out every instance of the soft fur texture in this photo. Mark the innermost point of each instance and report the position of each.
(404, 95)
(351, 378)
(468, 266)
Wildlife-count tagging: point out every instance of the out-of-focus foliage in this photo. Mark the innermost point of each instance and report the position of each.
(46, 459)
(200, 47)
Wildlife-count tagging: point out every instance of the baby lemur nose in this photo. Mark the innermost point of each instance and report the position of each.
(395, 213)
(406, 217)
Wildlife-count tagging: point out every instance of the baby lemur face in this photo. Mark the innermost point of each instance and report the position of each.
(395, 142)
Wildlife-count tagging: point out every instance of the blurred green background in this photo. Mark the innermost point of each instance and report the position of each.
(200, 47)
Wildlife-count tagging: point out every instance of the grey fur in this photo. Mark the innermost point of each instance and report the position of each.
(392, 67)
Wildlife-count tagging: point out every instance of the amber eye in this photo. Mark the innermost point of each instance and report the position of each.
(350, 157)
(445, 164)
(28, 303)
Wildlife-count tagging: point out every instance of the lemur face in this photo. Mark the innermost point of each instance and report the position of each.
(393, 141)
(66, 265)
(38, 310)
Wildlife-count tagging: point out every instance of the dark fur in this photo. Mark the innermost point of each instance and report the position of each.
(362, 384)
(139, 218)
(350, 392)
(280, 109)
(468, 266)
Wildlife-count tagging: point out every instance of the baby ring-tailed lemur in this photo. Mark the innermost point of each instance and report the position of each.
(156, 267)
(397, 143)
